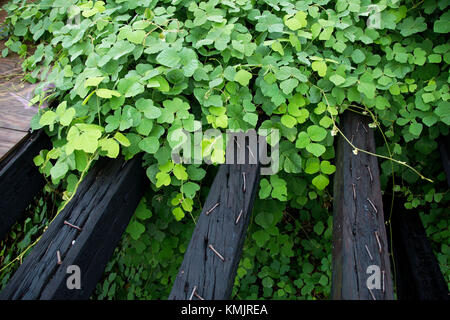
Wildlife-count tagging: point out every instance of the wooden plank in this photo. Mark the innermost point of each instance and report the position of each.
(203, 268)
(418, 276)
(102, 207)
(9, 138)
(358, 216)
(14, 97)
(20, 179)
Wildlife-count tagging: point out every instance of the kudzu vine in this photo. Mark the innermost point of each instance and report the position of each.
(128, 74)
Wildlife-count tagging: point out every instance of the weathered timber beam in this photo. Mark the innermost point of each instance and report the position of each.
(418, 276)
(211, 260)
(359, 233)
(84, 234)
(20, 179)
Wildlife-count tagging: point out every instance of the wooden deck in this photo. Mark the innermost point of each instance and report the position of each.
(15, 112)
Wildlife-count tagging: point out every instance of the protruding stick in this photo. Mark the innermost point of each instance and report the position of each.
(210, 210)
(251, 153)
(71, 225)
(58, 256)
(217, 253)
(378, 241)
(243, 175)
(239, 217)
(370, 255)
(237, 143)
(370, 173)
(198, 296)
(354, 191)
(193, 292)
(364, 128)
(373, 206)
(371, 293)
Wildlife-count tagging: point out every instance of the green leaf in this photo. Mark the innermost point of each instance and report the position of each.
(327, 168)
(316, 149)
(243, 77)
(316, 133)
(178, 213)
(136, 37)
(162, 179)
(122, 139)
(265, 189)
(119, 49)
(320, 182)
(366, 85)
(312, 166)
(106, 93)
(180, 172)
(337, 79)
(320, 67)
(278, 47)
(190, 188)
(288, 85)
(48, 118)
(110, 146)
(195, 173)
(302, 140)
(358, 56)
(59, 170)
(288, 121)
(93, 82)
(416, 128)
(319, 227)
(264, 219)
(297, 22)
(267, 282)
(67, 117)
(135, 229)
(149, 144)
(146, 106)
(142, 212)
(169, 57)
(279, 190)
(130, 87)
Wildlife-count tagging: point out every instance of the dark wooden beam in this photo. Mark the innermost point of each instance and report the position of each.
(211, 260)
(359, 233)
(102, 208)
(418, 276)
(20, 179)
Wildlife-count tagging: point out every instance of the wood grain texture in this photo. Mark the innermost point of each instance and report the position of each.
(102, 208)
(355, 221)
(8, 139)
(202, 268)
(15, 94)
(20, 179)
(418, 275)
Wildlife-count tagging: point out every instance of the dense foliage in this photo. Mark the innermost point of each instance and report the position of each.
(128, 74)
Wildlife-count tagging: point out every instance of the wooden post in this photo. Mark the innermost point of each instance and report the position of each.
(20, 179)
(418, 275)
(359, 233)
(211, 260)
(101, 208)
